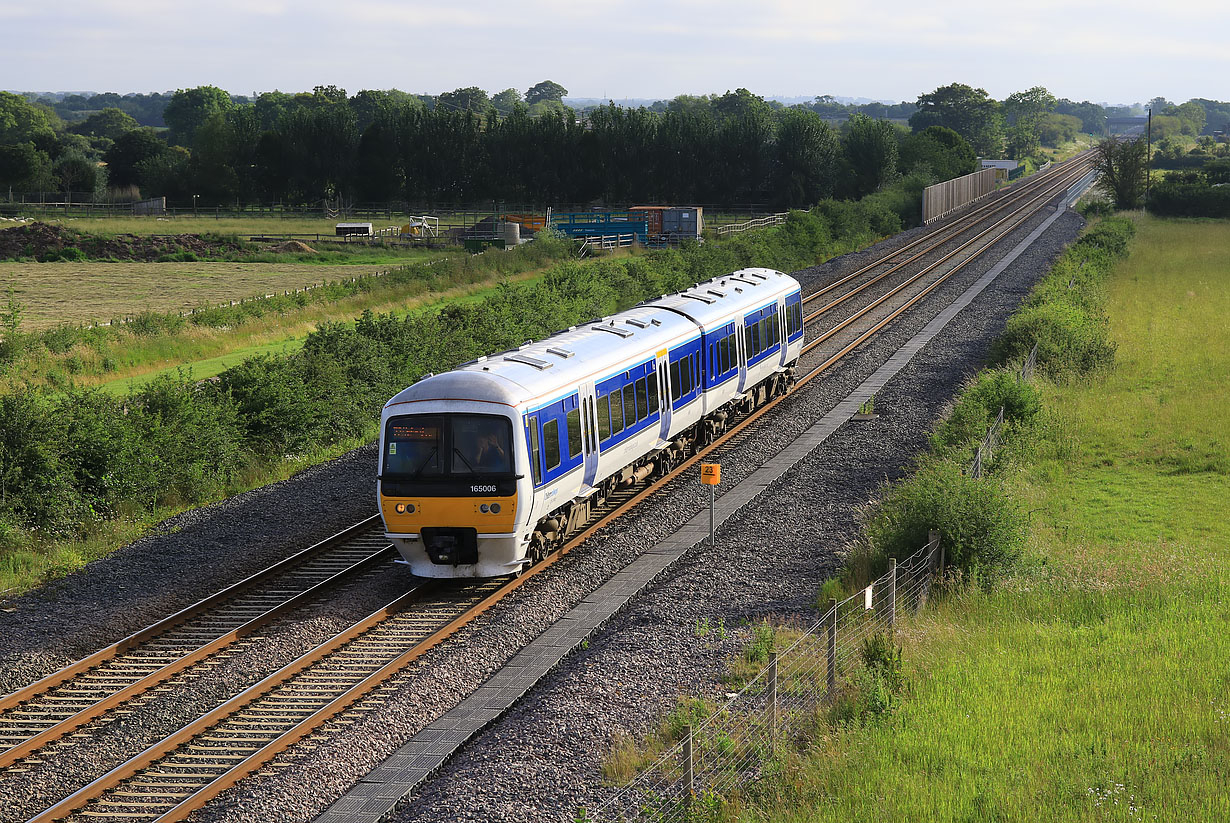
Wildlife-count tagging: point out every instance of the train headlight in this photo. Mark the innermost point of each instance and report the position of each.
(484, 508)
(495, 508)
(400, 508)
(410, 508)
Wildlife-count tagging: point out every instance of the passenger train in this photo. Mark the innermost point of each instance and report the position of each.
(486, 469)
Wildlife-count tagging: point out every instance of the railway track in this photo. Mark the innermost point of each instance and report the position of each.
(186, 770)
(54, 706)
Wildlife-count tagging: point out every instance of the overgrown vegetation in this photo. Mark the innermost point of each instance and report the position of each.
(74, 457)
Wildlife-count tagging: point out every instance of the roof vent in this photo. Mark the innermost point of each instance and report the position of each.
(541, 365)
(613, 330)
(717, 293)
(558, 352)
(704, 298)
(640, 324)
(655, 321)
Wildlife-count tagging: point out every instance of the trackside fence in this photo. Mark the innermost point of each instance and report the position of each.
(742, 742)
(757, 223)
(944, 198)
(985, 450)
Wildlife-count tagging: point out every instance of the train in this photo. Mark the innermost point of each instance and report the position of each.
(486, 469)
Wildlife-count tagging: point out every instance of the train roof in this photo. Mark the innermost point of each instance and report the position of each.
(540, 372)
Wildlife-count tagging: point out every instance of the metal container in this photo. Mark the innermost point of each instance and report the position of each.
(680, 222)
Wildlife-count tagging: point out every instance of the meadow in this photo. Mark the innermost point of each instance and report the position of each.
(1089, 683)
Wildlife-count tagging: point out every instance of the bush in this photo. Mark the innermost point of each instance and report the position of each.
(68, 254)
(978, 405)
(983, 531)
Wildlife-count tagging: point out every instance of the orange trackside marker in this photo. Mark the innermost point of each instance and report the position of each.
(711, 473)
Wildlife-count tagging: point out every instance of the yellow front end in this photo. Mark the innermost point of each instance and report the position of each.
(455, 536)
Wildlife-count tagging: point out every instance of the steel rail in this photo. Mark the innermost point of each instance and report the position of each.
(491, 594)
(1015, 219)
(1047, 192)
(961, 224)
(138, 678)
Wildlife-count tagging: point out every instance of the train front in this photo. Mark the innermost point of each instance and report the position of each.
(451, 469)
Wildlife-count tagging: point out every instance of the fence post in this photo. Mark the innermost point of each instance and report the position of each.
(689, 771)
(832, 650)
(892, 594)
(771, 700)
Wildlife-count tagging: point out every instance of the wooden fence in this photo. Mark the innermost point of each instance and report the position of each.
(945, 198)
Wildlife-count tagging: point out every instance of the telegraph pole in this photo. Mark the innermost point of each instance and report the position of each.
(1148, 154)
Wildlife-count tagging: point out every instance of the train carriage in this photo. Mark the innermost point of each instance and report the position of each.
(487, 468)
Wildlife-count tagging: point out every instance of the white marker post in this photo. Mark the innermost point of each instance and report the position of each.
(711, 475)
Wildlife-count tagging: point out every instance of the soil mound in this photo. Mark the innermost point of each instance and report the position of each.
(294, 247)
(47, 242)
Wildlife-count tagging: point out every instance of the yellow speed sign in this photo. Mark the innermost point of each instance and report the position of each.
(711, 473)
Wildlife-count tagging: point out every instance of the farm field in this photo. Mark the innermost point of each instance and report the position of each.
(83, 293)
(189, 224)
(1091, 683)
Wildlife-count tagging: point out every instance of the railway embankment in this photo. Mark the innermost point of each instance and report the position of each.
(1072, 661)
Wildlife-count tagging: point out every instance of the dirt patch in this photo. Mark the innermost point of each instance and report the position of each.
(46, 242)
(294, 247)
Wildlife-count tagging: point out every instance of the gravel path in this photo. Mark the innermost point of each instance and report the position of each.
(542, 760)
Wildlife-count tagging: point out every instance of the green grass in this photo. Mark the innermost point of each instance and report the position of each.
(1091, 684)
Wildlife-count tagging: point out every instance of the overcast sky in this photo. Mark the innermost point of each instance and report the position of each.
(1125, 51)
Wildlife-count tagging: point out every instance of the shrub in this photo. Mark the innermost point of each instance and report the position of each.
(1070, 340)
(68, 254)
(982, 529)
(979, 403)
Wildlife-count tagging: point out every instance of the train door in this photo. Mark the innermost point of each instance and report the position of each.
(781, 330)
(664, 396)
(589, 427)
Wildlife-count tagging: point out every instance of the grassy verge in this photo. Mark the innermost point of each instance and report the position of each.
(1088, 681)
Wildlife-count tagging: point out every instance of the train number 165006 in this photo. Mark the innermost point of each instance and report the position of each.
(482, 489)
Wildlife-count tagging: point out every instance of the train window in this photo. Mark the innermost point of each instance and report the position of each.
(685, 371)
(550, 444)
(617, 412)
(755, 349)
(642, 398)
(652, 386)
(604, 417)
(726, 343)
(574, 432)
(747, 342)
(629, 405)
(535, 465)
(676, 383)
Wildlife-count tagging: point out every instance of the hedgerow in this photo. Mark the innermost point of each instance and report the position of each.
(71, 457)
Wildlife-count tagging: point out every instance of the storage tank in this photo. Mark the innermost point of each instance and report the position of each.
(512, 234)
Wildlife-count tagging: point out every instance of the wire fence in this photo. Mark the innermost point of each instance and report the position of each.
(985, 450)
(744, 741)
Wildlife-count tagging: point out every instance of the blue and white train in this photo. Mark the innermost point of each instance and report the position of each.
(487, 468)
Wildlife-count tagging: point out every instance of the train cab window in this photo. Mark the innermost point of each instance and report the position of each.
(642, 398)
(617, 412)
(480, 445)
(550, 444)
(652, 387)
(604, 417)
(574, 432)
(676, 383)
(535, 454)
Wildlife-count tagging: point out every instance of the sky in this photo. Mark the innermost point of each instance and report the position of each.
(1121, 52)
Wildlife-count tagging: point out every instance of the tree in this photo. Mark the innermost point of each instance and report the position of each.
(468, 99)
(806, 159)
(943, 152)
(545, 91)
(741, 103)
(129, 151)
(1023, 111)
(871, 151)
(1054, 129)
(506, 101)
(74, 171)
(1123, 165)
(967, 111)
(106, 123)
(23, 167)
(190, 108)
(22, 121)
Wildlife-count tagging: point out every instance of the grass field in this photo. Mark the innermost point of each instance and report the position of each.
(83, 293)
(240, 226)
(1092, 684)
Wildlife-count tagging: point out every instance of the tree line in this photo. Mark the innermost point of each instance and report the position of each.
(469, 146)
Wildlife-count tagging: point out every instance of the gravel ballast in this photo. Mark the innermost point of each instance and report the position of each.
(540, 760)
